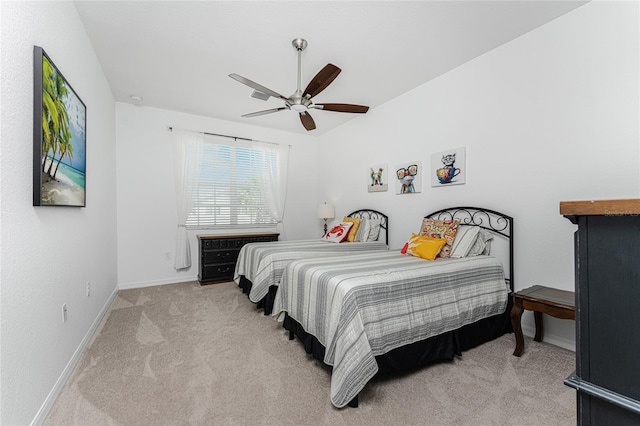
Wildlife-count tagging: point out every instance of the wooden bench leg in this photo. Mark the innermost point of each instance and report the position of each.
(516, 316)
(537, 316)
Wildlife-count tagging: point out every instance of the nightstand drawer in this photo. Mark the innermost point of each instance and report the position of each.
(219, 256)
(230, 243)
(218, 272)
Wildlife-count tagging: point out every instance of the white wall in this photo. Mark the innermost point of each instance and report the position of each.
(550, 116)
(147, 218)
(49, 253)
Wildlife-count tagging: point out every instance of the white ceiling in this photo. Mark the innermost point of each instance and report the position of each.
(177, 55)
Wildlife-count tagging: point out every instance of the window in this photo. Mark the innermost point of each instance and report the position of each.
(231, 187)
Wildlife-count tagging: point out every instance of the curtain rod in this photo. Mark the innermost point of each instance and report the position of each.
(224, 136)
(169, 128)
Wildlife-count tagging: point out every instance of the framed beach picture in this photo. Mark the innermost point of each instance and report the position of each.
(59, 137)
(378, 180)
(448, 167)
(408, 177)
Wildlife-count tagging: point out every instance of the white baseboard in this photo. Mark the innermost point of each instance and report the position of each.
(46, 406)
(550, 338)
(140, 284)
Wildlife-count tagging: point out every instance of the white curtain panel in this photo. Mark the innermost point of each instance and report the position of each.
(274, 181)
(187, 146)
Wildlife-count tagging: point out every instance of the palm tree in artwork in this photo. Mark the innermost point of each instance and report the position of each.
(65, 148)
(56, 131)
(50, 116)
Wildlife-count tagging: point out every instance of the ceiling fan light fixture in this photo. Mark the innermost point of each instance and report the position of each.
(298, 107)
(259, 95)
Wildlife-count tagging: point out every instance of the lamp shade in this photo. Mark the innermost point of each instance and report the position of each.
(326, 211)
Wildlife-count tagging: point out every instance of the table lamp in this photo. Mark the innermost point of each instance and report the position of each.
(326, 211)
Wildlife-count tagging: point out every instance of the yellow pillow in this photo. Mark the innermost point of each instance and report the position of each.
(425, 247)
(354, 229)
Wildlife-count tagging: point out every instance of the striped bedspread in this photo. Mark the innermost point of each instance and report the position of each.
(263, 263)
(361, 306)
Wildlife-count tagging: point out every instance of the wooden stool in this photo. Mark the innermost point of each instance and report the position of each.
(540, 299)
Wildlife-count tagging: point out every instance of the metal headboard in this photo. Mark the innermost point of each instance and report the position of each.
(374, 214)
(491, 220)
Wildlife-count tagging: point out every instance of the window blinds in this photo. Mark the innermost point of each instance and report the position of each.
(231, 186)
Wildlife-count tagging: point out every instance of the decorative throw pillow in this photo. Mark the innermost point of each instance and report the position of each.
(471, 241)
(374, 231)
(354, 229)
(338, 233)
(465, 239)
(487, 246)
(482, 245)
(441, 229)
(363, 230)
(425, 247)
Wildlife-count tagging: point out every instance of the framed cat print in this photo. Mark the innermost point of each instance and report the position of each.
(449, 167)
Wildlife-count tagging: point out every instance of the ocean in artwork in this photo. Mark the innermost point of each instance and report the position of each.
(68, 187)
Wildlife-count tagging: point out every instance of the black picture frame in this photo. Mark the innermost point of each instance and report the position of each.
(59, 137)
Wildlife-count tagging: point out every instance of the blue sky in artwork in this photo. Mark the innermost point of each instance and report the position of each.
(77, 115)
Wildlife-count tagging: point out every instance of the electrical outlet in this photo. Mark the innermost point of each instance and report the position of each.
(88, 289)
(64, 312)
(167, 255)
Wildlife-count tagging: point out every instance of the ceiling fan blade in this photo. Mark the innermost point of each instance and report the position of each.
(256, 86)
(266, 111)
(307, 121)
(321, 80)
(358, 109)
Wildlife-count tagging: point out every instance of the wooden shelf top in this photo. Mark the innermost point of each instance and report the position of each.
(624, 207)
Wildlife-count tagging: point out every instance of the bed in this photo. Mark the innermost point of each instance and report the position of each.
(371, 312)
(260, 265)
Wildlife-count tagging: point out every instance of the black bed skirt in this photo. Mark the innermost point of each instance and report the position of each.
(410, 357)
(266, 303)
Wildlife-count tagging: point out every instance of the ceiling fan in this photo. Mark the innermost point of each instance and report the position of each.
(301, 101)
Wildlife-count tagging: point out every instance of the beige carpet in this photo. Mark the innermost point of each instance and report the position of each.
(185, 354)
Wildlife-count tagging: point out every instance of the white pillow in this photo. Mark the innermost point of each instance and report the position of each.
(363, 230)
(471, 241)
(484, 247)
(466, 238)
(338, 233)
(374, 231)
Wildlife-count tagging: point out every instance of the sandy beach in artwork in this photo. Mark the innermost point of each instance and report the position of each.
(62, 190)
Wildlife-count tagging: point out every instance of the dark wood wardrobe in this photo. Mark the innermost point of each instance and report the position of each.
(607, 273)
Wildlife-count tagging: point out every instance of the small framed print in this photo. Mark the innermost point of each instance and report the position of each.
(449, 167)
(409, 177)
(378, 178)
